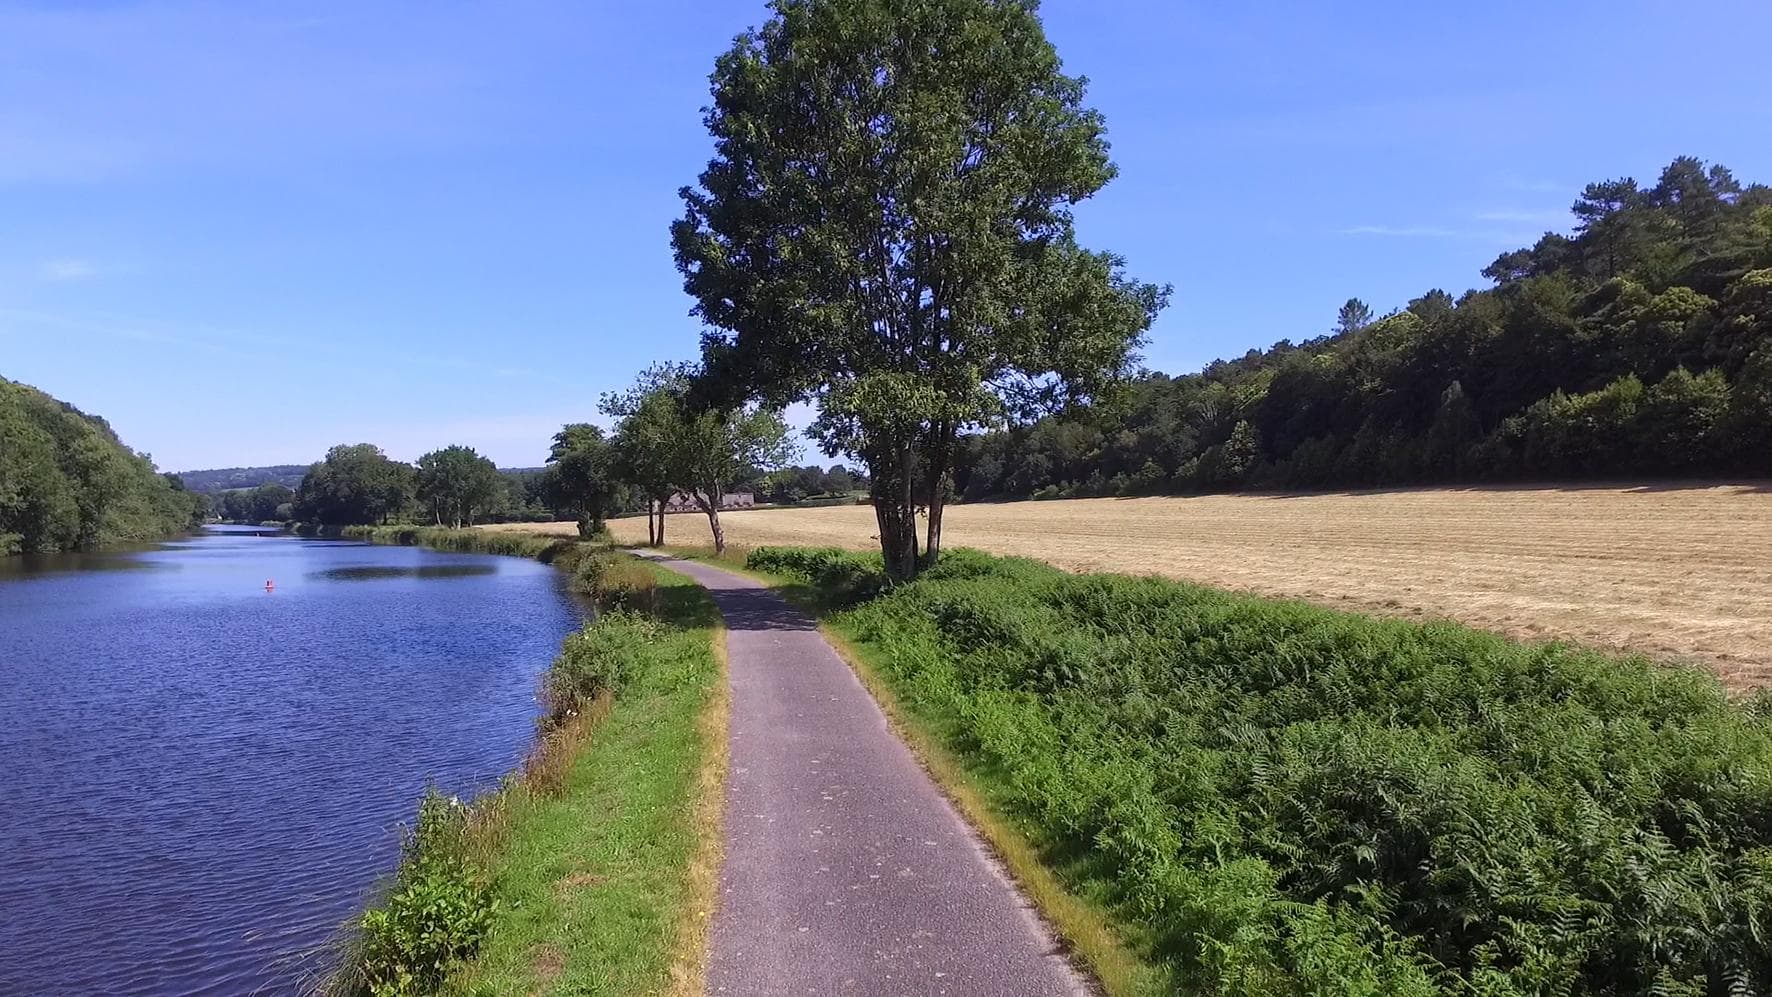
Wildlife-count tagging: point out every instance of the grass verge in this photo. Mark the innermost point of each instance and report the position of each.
(1269, 798)
(592, 870)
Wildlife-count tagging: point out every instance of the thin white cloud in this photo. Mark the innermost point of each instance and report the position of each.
(1534, 185)
(1406, 231)
(1437, 232)
(1555, 217)
(65, 270)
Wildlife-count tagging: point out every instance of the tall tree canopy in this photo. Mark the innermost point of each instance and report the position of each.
(456, 484)
(581, 478)
(1639, 344)
(354, 485)
(648, 437)
(67, 481)
(885, 227)
(269, 501)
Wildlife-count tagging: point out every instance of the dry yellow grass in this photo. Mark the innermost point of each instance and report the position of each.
(1676, 570)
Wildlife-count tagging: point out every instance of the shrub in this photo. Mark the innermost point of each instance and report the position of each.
(603, 658)
(436, 913)
(1292, 800)
(843, 577)
(616, 581)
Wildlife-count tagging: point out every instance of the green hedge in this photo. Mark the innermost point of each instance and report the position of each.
(841, 576)
(1282, 799)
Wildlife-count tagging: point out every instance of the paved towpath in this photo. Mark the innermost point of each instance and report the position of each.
(846, 870)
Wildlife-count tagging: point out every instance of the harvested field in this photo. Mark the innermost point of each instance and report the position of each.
(1674, 570)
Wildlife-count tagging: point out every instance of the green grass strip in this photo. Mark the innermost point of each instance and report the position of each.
(595, 886)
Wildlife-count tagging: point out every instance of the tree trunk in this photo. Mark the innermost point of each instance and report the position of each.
(895, 510)
(651, 536)
(937, 460)
(710, 503)
(661, 518)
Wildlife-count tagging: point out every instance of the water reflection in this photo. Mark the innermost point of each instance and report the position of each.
(364, 573)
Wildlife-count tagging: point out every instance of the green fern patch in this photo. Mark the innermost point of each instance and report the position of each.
(1282, 799)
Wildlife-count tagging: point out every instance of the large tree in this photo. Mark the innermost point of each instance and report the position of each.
(647, 438)
(668, 441)
(717, 446)
(581, 476)
(885, 228)
(456, 483)
(355, 484)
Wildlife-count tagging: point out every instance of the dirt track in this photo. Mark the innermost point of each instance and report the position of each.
(1677, 570)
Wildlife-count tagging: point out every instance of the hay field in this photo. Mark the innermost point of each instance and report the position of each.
(1675, 570)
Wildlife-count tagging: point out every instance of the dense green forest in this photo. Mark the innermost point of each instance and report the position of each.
(214, 481)
(1638, 345)
(67, 481)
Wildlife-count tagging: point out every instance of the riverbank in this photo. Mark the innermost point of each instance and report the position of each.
(1249, 796)
(592, 868)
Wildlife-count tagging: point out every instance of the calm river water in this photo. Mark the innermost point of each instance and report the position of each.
(200, 779)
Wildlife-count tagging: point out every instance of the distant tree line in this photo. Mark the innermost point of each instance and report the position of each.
(660, 447)
(67, 481)
(214, 481)
(1638, 345)
(266, 503)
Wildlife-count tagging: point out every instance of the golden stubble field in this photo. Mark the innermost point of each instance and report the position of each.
(1674, 570)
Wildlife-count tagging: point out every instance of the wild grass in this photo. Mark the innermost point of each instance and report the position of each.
(586, 871)
(1273, 798)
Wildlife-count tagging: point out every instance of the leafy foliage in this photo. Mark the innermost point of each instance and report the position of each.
(581, 476)
(1639, 345)
(269, 501)
(67, 481)
(667, 441)
(457, 484)
(1291, 800)
(885, 228)
(435, 915)
(356, 484)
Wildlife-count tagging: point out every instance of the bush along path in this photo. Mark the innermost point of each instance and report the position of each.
(846, 871)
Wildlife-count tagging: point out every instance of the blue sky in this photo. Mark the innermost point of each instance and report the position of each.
(244, 232)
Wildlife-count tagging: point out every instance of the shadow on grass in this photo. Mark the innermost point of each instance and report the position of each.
(686, 607)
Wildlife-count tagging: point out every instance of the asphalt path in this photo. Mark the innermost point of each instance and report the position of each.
(846, 870)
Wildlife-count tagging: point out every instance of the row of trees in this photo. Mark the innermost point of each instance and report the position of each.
(451, 486)
(1639, 345)
(67, 481)
(269, 501)
(661, 446)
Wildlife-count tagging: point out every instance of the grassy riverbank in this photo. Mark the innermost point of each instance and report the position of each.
(592, 869)
(1270, 798)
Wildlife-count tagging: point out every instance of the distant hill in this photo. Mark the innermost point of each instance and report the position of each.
(1639, 345)
(222, 479)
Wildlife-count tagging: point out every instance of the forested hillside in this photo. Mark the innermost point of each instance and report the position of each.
(1638, 345)
(221, 479)
(66, 481)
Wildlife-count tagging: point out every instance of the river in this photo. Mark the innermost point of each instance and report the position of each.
(202, 778)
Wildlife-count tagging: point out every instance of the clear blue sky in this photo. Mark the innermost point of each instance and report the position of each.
(244, 232)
